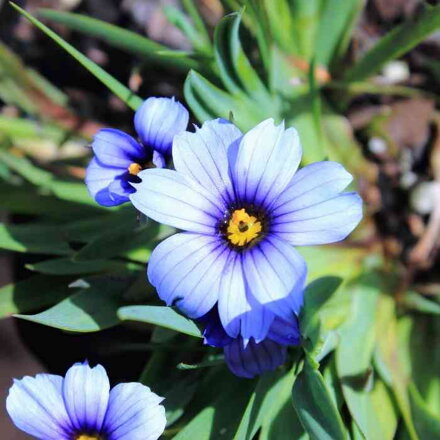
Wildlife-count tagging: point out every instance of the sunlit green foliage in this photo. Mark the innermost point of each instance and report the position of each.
(367, 367)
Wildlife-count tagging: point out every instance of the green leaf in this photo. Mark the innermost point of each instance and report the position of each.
(122, 92)
(70, 191)
(33, 239)
(305, 24)
(396, 43)
(236, 71)
(279, 415)
(315, 407)
(221, 400)
(199, 24)
(335, 27)
(420, 359)
(343, 262)
(178, 395)
(207, 101)
(89, 227)
(162, 316)
(371, 407)
(426, 422)
(323, 310)
(332, 382)
(67, 266)
(26, 199)
(24, 87)
(32, 294)
(92, 309)
(388, 351)
(119, 37)
(256, 408)
(280, 21)
(419, 303)
(180, 21)
(13, 81)
(119, 240)
(21, 128)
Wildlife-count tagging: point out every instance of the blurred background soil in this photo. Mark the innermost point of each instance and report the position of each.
(26, 348)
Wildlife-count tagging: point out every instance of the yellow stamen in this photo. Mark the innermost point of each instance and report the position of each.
(87, 437)
(134, 169)
(243, 228)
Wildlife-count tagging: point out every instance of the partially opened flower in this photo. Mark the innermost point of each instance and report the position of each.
(119, 157)
(243, 207)
(81, 406)
(252, 358)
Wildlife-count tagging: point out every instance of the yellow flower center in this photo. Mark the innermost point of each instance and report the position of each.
(87, 437)
(134, 169)
(242, 228)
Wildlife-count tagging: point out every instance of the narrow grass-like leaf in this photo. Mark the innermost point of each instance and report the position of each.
(335, 23)
(33, 294)
(426, 422)
(207, 101)
(25, 199)
(199, 24)
(221, 400)
(180, 20)
(33, 239)
(317, 296)
(71, 191)
(314, 405)
(67, 266)
(90, 310)
(236, 71)
(119, 37)
(279, 415)
(396, 43)
(119, 240)
(162, 316)
(371, 406)
(122, 92)
(258, 404)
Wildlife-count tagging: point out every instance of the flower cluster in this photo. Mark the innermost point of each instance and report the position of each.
(241, 205)
(81, 406)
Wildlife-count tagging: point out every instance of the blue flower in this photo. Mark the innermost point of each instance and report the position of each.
(119, 157)
(252, 358)
(243, 206)
(81, 406)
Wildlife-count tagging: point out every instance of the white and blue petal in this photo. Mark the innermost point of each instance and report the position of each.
(86, 394)
(115, 148)
(265, 163)
(257, 322)
(98, 179)
(186, 270)
(255, 359)
(203, 156)
(232, 300)
(273, 270)
(120, 190)
(315, 183)
(158, 120)
(134, 413)
(36, 406)
(321, 223)
(214, 334)
(171, 198)
(285, 332)
(240, 313)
